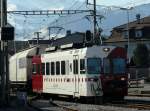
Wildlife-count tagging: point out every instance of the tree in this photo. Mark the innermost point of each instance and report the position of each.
(141, 56)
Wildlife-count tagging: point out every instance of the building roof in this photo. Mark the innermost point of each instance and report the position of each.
(144, 22)
(75, 38)
(116, 32)
(118, 39)
(72, 38)
(34, 42)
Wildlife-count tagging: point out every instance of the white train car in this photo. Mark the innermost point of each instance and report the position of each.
(20, 67)
(81, 72)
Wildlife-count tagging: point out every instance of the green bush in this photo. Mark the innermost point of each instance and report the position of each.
(141, 56)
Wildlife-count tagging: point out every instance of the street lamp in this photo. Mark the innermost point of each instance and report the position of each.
(127, 27)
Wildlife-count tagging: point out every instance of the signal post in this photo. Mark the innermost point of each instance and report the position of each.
(6, 33)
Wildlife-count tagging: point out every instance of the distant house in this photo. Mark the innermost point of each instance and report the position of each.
(76, 37)
(131, 34)
(138, 32)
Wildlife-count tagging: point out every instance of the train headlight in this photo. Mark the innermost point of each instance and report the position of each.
(106, 49)
(123, 78)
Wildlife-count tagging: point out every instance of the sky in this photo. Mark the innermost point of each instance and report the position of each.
(60, 4)
(20, 22)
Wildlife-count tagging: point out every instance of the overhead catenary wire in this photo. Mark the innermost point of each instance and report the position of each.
(75, 4)
(67, 22)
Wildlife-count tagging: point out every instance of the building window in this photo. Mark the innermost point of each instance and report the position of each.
(52, 68)
(125, 34)
(57, 68)
(138, 33)
(63, 68)
(47, 69)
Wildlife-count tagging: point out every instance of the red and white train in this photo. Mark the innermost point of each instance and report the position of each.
(85, 72)
(88, 72)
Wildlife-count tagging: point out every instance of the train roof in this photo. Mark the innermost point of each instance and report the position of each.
(97, 51)
(24, 53)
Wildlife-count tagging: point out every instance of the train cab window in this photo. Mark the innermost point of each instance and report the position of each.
(43, 68)
(57, 68)
(34, 69)
(75, 66)
(93, 65)
(107, 66)
(63, 68)
(52, 68)
(119, 66)
(82, 66)
(47, 69)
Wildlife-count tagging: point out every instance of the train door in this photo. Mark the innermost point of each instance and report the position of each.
(76, 74)
(37, 78)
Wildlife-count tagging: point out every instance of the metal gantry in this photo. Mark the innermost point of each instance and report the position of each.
(49, 12)
(64, 12)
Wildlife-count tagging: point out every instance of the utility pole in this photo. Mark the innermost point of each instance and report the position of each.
(4, 74)
(95, 30)
(38, 36)
(49, 32)
(127, 29)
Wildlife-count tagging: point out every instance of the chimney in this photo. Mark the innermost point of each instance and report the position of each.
(138, 17)
(68, 32)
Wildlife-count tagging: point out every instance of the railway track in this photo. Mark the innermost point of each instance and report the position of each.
(66, 108)
(139, 106)
(134, 104)
(77, 106)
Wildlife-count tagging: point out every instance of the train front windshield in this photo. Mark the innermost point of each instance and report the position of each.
(114, 66)
(93, 65)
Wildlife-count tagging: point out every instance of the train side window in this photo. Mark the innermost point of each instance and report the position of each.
(52, 68)
(38, 68)
(75, 66)
(70, 67)
(34, 69)
(43, 68)
(47, 69)
(57, 68)
(63, 68)
(82, 66)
